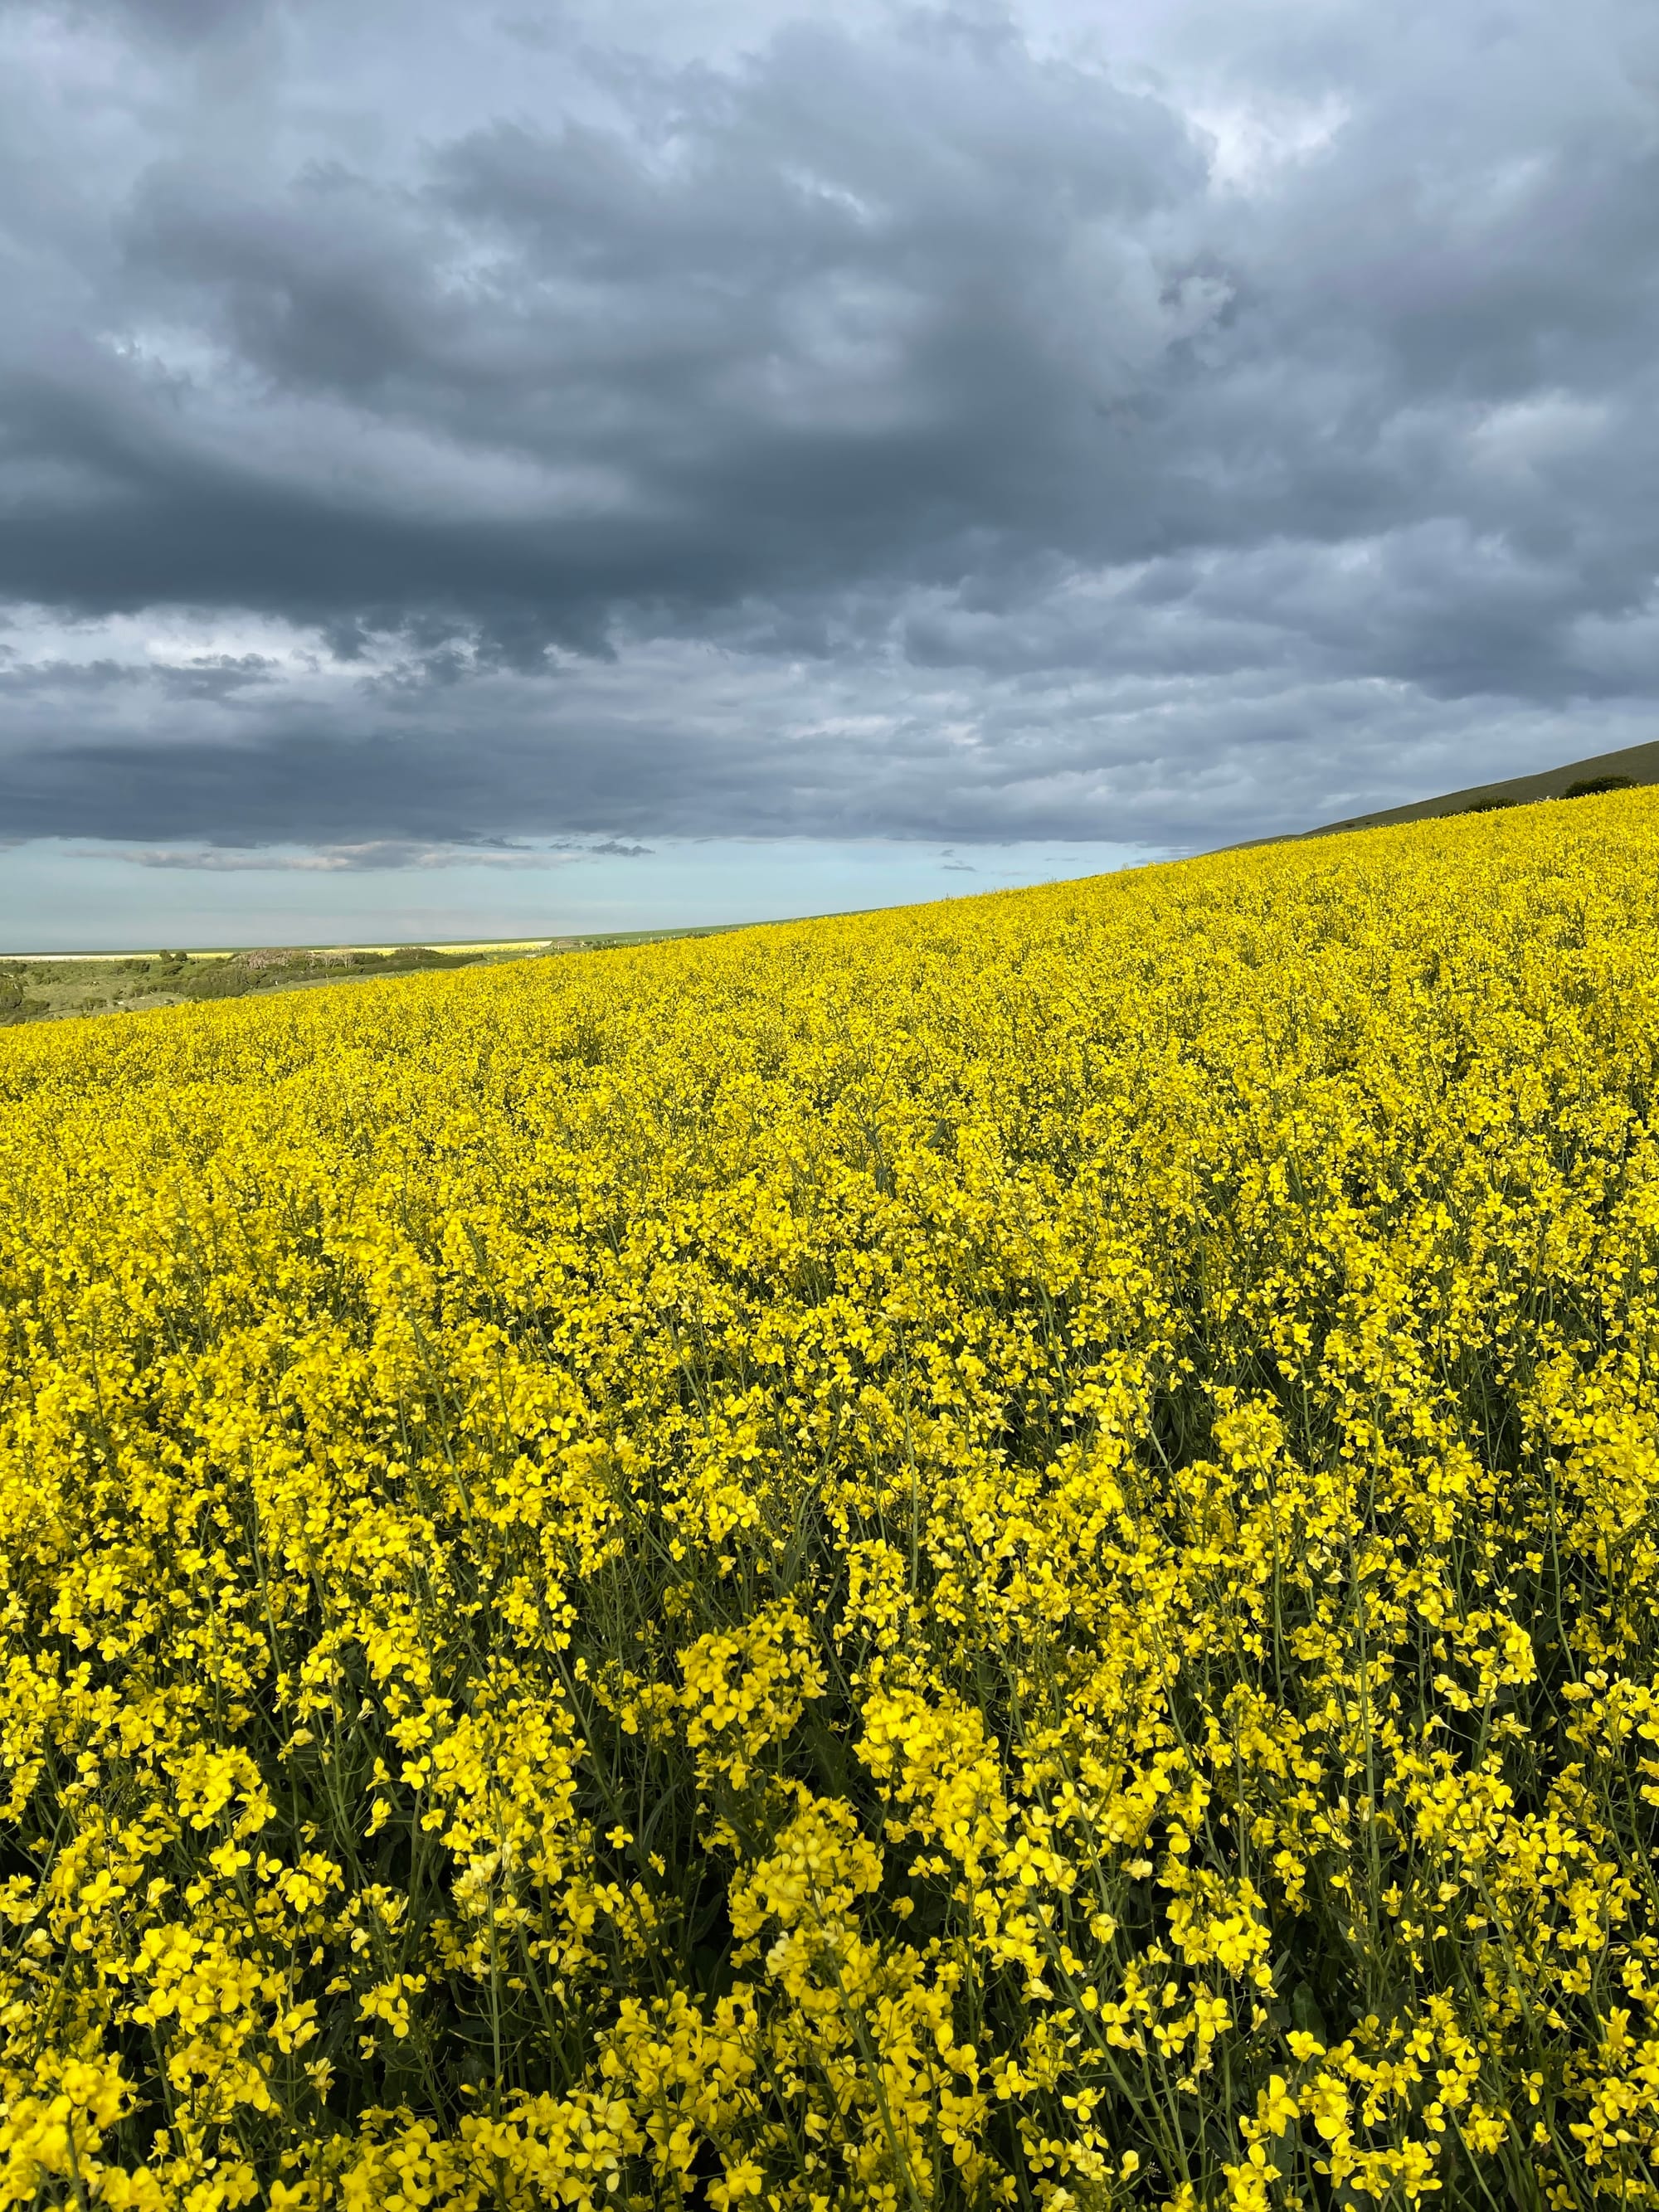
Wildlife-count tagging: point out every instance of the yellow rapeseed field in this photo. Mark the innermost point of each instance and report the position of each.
(1002, 1554)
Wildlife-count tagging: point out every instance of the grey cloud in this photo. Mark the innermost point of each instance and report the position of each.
(66, 677)
(854, 753)
(924, 375)
(178, 22)
(214, 676)
(380, 853)
(195, 19)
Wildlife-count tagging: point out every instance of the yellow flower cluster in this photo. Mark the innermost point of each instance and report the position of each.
(998, 1555)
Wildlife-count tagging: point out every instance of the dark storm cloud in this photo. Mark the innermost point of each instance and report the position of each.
(968, 439)
(857, 323)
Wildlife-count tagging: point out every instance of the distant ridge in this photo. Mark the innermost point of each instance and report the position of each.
(1639, 763)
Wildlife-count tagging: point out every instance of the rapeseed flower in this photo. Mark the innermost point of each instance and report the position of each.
(1003, 1554)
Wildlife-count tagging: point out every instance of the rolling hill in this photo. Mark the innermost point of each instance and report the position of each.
(1640, 763)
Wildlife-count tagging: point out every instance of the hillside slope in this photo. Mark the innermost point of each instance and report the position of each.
(1639, 763)
(994, 1555)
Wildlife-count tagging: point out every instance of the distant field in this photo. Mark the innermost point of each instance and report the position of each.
(36, 986)
(230, 952)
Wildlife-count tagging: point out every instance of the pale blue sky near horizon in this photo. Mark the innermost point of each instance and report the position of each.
(57, 897)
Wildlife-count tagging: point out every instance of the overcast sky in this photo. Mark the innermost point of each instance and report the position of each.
(440, 438)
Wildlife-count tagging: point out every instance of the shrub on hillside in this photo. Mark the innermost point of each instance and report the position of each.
(1592, 786)
(14, 1005)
